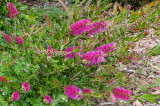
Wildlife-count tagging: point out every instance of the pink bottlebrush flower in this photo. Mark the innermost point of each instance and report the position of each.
(26, 86)
(107, 47)
(2, 78)
(47, 99)
(97, 28)
(111, 82)
(15, 96)
(94, 57)
(128, 7)
(8, 38)
(73, 92)
(121, 93)
(70, 55)
(12, 10)
(49, 50)
(87, 90)
(80, 27)
(19, 40)
(114, 99)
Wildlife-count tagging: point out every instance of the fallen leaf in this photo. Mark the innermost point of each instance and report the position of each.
(156, 92)
(137, 103)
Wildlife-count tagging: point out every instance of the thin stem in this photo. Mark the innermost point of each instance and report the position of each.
(16, 49)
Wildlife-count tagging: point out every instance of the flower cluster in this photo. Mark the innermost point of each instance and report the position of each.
(12, 10)
(2, 78)
(73, 92)
(84, 26)
(19, 40)
(8, 38)
(121, 93)
(80, 27)
(26, 86)
(96, 28)
(87, 90)
(70, 55)
(47, 99)
(76, 93)
(15, 96)
(94, 57)
(50, 51)
(106, 48)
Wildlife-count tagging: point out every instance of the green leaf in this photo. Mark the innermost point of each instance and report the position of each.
(54, 61)
(23, 7)
(95, 18)
(147, 96)
(98, 12)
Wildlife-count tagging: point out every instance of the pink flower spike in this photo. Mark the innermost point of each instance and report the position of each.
(12, 10)
(2, 78)
(111, 82)
(19, 40)
(106, 48)
(80, 27)
(121, 93)
(128, 7)
(73, 92)
(87, 90)
(49, 50)
(96, 28)
(113, 97)
(26, 86)
(53, 50)
(15, 96)
(70, 55)
(8, 38)
(101, 59)
(47, 99)
(94, 57)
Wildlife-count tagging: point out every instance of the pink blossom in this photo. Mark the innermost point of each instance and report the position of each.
(114, 99)
(49, 50)
(12, 10)
(19, 40)
(47, 99)
(26, 86)
(2, 78)
(87, 90)
(8, 38)
(94, 57)
(111, 82)
(80, 27)
(121, 93)
(73, 92)
(107, 47)
(128, 7)
(97, 28)
(15, 96)
(70, 55)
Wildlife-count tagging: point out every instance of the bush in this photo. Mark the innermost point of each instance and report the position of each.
(70, 60)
